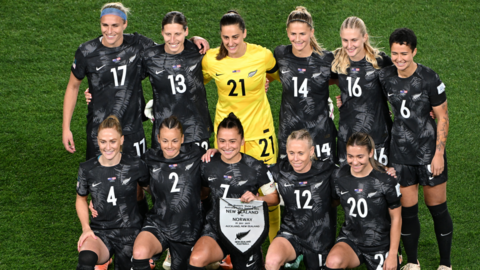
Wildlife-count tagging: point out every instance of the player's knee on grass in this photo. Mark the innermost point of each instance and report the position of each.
(87, 260)
(198, 259)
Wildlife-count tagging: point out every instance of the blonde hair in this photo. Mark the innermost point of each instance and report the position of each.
(300, 14)
(118, 6)
(342, 61)
(302, 135)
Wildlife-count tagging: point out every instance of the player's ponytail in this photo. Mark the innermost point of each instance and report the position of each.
(231, 121)
(342, 61)
(171, 123)
(363, 139)
(175, 17)
(111, 122)
(302, 135)
(300, 14)
(230, 18)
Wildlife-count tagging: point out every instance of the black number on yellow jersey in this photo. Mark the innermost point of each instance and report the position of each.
(264, 141)
(232, 92)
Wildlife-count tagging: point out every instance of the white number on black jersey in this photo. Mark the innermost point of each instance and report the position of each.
(137, 146)
(226, 187)
(306, 193)
(115, 78)
(204, 144)
(174, 176)
(180, 79)
(361, 206)
(404, 110)
(379, 257)
(303, 88)
(356, 90)
(111, 197)
(382, 158)
(325, 149)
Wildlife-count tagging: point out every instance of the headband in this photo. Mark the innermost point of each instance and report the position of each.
(114, 11)
(300, 20)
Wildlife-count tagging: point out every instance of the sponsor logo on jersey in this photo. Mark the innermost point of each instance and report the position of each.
(318, 184)
(250, 261)
(343, 192)
(156, 169)
(189, 166)
(403, 91)
(98, 68)
(227, 177)
(289, 185)
(358, 190)
(74, 65)
(284, 71)
(172, 166)
(252, 73)
(389, 94)
(176, 66)
(111, 179)
(124, 182)
(193, 67)
(445, 234)
(211, 178)
(159, 71)
(316, 75)
(116, 59)
(132, 58)
(370, 195)
(216, 74)
(302, 183)
(302, 70)
(241, 235)
(266, 160)
(236, 71)
(241, 183)
(354, 70)
(370, 72)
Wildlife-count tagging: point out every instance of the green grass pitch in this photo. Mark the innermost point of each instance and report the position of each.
(39, 228)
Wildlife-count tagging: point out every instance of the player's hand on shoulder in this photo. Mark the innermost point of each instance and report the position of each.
(267, 85)
(87, 233)
(67, 140)
(391, 171)
(201, 43)
(339, 101)
(209, 154)
(94, 212)
(432, 114)
(88, 96)
(248, 197)
(390, 262)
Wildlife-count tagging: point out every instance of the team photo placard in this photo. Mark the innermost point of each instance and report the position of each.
(243, 226)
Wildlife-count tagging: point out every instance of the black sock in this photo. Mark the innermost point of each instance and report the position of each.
(141, 264)
(443, 230)
(410, 232)
(87, 260)
(191, 267)
(326, 268)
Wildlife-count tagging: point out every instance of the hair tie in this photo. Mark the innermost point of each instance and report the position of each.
(114, 11)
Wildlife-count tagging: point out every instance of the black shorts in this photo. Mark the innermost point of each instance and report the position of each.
(240, 261)
(134, 144)
(372, 258)
(119, 242)
(408, 175)
(382, 152)
(311, 258)
(179, 251)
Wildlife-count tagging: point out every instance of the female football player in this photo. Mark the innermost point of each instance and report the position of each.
(371, 201)
(362, 104)
(417, 148)
(231, 174)
(111, 180)
(304, 71)
(304, 183)
(239, 70)
(175, 221)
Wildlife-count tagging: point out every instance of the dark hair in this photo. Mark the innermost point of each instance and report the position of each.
(170, 123)
(231, 121)
(363, 139)
(230, 18)
(404, 36)
(175, 17)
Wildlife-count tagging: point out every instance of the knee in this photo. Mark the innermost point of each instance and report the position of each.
(198, 259)
(273, 262)
(334, 261)
(140, 252)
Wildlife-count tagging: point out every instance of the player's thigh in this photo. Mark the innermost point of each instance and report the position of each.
(146, 245)
(206, 251)
(180, 254)
(264, 149)
(435, 195)
(342, 255)
(280, 252)
(135, 144)
(98, 246)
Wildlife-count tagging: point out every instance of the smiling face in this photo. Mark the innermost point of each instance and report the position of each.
(110, 144)
(174, 37)
(112, 30)
(232, 38)
(402, 58)
(170, 141)
(359, 160)
(299, 155)
(229, 143)
(299, 34)
(353, 43)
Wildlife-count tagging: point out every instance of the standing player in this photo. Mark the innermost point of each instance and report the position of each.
(304, 71)
(239, 70)
(231, 174)
(363, 106)
(417, 149)
(175, 71)
(304, 184)
(371, 201)
(111, 180)
(175, 221)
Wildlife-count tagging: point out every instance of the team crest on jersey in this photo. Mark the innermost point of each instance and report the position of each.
(132, 58)
(302, 70)
(354, 70)
(241, 183)
(227, 177)
(116, 59)
(188, 166)
(111, 179)
(74, 65)
(252, 73)
(176, 66)
(193, 67)
(316, 75)
(236, 71)
(358, 190)
(173, 166)
(302, 183)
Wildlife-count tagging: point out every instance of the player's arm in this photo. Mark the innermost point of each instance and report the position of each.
(441, 112)
(270, 195)
(395, 229)
(69, 102)
(201, 43)
(82, 212)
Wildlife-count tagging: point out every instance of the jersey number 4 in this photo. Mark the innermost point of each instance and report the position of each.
(111, 196)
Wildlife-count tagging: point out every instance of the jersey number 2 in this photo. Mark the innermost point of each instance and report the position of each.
(175, 182)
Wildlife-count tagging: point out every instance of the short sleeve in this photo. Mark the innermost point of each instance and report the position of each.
(386, 60)
(144, 174)
(270, 63)
(436, 93)
(263, 175)
(391, 191)
(333, 184)
(205, 71)
(82, 184)
(79, 66)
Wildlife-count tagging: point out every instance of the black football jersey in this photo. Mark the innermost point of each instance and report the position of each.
(176, 184)
(232, 180)
(364, 105)
(366, 202)
(414, 132)
(177, 83)
(307, 197)
(114, 80)
(114, 191)
(305, 96)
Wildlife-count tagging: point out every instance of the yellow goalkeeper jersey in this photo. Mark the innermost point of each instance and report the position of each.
(241, 88)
